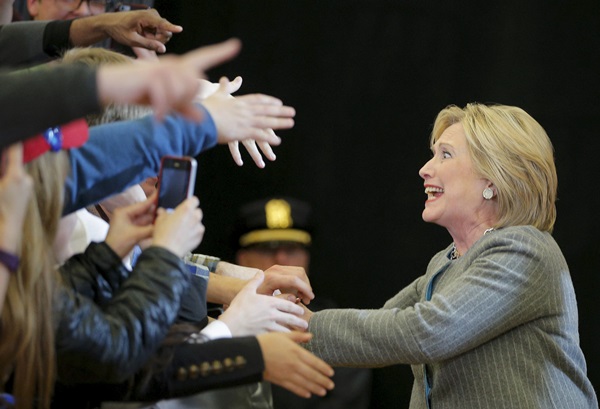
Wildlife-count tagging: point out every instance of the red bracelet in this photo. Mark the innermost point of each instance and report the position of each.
(10, 260)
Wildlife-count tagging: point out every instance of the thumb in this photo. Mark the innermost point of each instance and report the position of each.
(234, 85)
(224, 85)
(139, 208)
(255, 282)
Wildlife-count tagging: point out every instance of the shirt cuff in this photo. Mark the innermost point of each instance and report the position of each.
(216, 329)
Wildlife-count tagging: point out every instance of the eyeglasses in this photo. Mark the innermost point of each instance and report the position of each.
(95, 6)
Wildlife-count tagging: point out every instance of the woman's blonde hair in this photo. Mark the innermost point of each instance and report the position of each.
(94, 57)
(27, 348)
(512, 150)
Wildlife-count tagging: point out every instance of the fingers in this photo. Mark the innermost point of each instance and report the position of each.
(266, 148)
(254, 283)
(313, 374)
(234, 149)
(229, 87)
(137, 209)
(287, 283)
(250, 146)
(309, 374)
(14, 160)
(212, 55)
(145, 54)
(235, 85)
(165, 25)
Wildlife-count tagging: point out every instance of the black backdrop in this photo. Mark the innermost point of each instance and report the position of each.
(367, 79)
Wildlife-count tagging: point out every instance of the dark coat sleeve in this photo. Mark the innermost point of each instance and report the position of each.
(35, 100)
(110, 343)
(32, 42)
(197, 367)
(97, 273)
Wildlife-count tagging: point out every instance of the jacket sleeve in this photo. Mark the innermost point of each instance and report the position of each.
(197, 367)
(506, 280)
(97, 274)
(29, 42)
(121, 154)
(109, 343)
(34, 100)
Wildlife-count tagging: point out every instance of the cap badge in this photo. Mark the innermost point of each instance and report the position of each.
(278, 214)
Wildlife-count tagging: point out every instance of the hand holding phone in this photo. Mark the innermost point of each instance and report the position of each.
(176, 181)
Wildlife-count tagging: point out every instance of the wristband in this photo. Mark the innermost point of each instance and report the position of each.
(10, 260)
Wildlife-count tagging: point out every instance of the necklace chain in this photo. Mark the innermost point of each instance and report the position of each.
(455, 254)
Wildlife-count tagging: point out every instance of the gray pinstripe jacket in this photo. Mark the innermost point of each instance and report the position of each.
(500, 330)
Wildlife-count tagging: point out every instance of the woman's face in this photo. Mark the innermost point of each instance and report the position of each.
(454, 191)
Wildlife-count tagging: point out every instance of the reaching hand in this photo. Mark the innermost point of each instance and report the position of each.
(16, 188)
(288, 280)
(180, 231)
(139, 28)
(129, 225)
(250, 145)
(250, 313)
(168, 84)
(292, 367)
(206, 90)
(248, 117)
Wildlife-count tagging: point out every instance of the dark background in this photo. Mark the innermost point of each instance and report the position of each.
(367, 79)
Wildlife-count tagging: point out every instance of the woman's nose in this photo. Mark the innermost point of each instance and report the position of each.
(425, 171)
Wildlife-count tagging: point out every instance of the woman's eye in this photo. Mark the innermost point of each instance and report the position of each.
(446, 155)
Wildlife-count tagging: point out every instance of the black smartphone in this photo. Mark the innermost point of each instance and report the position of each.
(176, 181)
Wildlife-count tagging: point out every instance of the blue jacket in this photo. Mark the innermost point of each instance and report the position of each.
(121, 154)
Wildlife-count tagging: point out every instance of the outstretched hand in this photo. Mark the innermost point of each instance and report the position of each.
(139, 28)
(168, 84)
(250, 313)
(248, 117)
(292, 367)
(288, 280)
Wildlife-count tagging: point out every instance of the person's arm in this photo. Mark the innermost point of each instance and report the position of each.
(22, 43)
(28, 42)
(32, 91)
(16, 187)
(168, 85)
(109, 343)
(504, 281)
(139, 28)
(198, 365)
(121, 154)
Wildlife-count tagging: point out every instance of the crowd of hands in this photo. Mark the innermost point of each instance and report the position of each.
(174, 84)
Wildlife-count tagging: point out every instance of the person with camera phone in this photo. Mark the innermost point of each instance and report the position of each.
(176, 181)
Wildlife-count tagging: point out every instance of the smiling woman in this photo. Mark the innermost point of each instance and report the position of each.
(493, 322)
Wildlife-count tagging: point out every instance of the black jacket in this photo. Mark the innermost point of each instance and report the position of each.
(99, 363)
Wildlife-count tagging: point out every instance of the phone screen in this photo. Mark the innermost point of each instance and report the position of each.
(176, 181)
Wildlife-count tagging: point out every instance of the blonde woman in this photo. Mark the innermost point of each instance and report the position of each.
(493, 322)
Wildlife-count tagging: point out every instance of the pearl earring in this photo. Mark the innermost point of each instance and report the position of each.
(488, 193)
